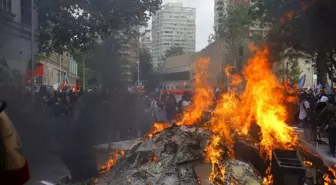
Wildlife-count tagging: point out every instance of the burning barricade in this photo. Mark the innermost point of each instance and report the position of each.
(177, 155)
(245, 141)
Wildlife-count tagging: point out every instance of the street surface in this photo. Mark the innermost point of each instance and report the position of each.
(321, 149)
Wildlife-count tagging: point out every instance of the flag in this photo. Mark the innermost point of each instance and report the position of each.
(328, 88)
(302, 81)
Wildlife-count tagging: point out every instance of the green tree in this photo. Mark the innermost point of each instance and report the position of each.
(106, 60)
(294, 73)
(173, 51)
(67, 25)
(304, 26)
(233, 30)
(146, 66)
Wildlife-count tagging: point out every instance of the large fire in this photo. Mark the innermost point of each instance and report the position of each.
(262, 102)
(203, 96)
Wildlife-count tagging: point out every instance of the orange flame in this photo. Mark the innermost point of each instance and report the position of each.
(113, 159)
(263, 100)
(290, 14)
(203, 96)
(328, 180)
(262, 103)
(307, 163)
(214, 156)
(156, 128)
(235, 78)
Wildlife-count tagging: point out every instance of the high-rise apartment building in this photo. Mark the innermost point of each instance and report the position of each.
(221, 7)
(173, 25)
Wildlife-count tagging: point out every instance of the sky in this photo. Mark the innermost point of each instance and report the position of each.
(204, 19)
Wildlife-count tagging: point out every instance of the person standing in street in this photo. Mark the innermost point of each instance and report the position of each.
(304, 116)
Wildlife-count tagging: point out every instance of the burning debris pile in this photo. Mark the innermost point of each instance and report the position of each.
(176, 155)
(245, 140)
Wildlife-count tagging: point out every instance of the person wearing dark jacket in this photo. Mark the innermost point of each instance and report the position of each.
(331, 129)
(14, 167)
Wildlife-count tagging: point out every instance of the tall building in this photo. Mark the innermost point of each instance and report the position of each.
(221, 7)
(15, 35)
(129, 57)
(173, 25)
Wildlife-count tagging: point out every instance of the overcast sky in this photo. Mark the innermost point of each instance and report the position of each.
(204, 19)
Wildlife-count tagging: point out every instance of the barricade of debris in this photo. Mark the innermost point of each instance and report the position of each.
(175, 156)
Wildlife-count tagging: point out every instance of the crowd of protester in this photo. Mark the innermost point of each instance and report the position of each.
(317, 116)
(165, 107)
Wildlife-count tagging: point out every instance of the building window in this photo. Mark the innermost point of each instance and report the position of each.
(6, 5)
(26, 12)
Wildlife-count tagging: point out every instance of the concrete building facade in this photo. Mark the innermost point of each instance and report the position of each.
(15, 35)
(173, 25)
(220, 10)
(55, 67)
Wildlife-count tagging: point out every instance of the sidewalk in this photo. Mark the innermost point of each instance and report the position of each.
(321, 150)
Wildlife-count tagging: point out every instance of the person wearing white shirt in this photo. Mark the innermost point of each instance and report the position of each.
(304, 116)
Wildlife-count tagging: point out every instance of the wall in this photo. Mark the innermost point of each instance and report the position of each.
(15, 41)
(213, 51)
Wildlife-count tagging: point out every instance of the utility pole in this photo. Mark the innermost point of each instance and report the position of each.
(32, 50)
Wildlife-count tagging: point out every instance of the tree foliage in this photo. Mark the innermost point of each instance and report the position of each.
(173, 51)
(234, 30)
(294, 73)
(77, 24)
(306, 26)
(145, 64)
(105, 59)
(234, 25)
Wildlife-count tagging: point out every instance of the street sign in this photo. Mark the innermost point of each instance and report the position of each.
(139, 82)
